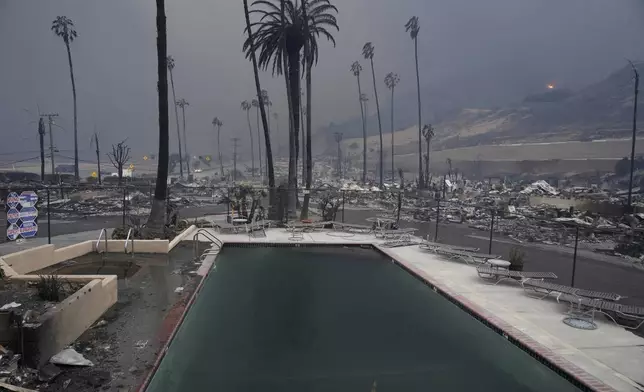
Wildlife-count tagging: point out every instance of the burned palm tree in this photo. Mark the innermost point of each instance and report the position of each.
(284, 28)
(413, 28)
(246, 106)
(428, 134)
(63, 27)
(368, 52)
(216, 122)
(356, 69)
(391, 81)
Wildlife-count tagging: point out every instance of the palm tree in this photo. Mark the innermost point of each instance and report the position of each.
(413, 27)
(246, 106)
(356, 68)
(391, 80)
(255, 103)
(282, 32)
(258, 89)
(216, 122)
(367, 52)
(428, 134)
(176, 112)
(63, 27)
(156, 221)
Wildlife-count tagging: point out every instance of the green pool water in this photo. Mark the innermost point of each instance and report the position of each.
(335, 319)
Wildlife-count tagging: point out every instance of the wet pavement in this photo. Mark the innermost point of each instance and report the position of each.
(593, 271)
(125, 346)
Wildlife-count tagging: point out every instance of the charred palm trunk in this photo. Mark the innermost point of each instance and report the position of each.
(176, 116)
(71, 73)
(156, 220)
(364, 134)
(309, 162)
(267, 139)
(375, 92)
(294, 85)
(259, 146)
(420, 131)
(252, 144)
(221, 162)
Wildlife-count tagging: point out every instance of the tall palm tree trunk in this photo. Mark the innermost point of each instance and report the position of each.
(156, 221)
(309, 162)
(427, 164)
(294, 84)
(176, 116)
(71, 73)
(292, 159)
(269, 151)
(420, 131)
(252, 144)
(185, 141)
(392, 133)
(221, 162)
(303, 128)
(364, 134)
(259, 147)
(375, 92)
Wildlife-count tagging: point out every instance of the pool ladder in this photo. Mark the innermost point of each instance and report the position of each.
(98, 241)
(130, 238)
(103, 234)
(217, 244)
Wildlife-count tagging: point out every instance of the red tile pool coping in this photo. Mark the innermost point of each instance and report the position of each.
(580, 378)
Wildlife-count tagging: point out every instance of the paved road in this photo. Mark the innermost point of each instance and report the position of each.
(593, 271)
(61, 227)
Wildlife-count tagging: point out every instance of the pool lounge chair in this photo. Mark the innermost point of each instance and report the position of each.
(587, 307)
(352, 227)
(467, 257)
(392, 234)
(224, 227)
(544, 289)
(404, 239)
(433, 246)
(499, 275)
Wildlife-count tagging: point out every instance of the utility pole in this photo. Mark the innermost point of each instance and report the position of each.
(235, 141)
(41, 135)
(338, 138)
(182, 103)
(630, 181)
(98, 158)
(51, 143)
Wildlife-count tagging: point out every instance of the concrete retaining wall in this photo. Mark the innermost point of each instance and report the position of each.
(63, 324)
(72, 251)
(140, 246)
(29, 260)
(185, 235)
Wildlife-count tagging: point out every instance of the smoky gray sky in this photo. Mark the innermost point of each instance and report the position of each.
(568, 42)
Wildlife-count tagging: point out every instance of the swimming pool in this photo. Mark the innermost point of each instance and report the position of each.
(335, 319)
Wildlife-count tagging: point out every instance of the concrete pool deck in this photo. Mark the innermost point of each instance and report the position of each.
(605, 359)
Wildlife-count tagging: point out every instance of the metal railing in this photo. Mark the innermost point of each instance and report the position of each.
(98, 241)
(211, 237)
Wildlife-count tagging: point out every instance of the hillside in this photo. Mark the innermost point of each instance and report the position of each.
(602, 110)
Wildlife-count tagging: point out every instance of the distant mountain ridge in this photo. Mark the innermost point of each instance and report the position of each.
(464, 116)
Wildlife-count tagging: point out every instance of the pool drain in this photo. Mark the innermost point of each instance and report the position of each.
(580, 323)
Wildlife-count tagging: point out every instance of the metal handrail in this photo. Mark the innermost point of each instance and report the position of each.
(129, 232)
(209, 236)
(98, 241)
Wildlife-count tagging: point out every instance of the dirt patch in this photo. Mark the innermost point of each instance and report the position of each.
(26, 294)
